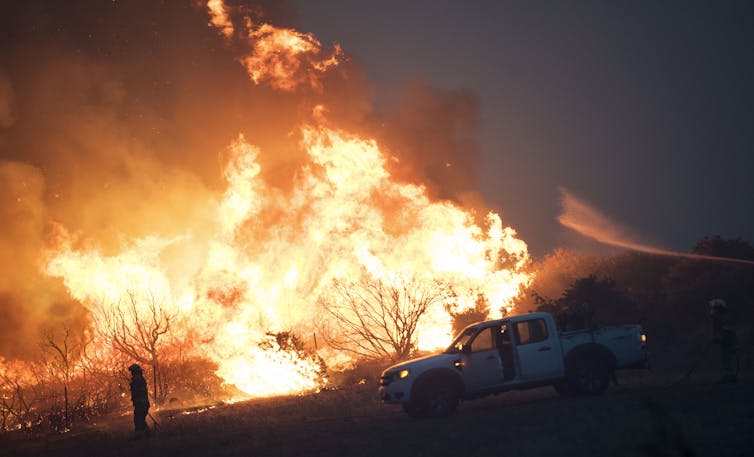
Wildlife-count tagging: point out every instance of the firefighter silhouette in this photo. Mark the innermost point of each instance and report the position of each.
(140, 400)
(723, 334)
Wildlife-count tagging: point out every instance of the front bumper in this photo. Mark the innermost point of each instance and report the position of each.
(393, 390)
(392, 395)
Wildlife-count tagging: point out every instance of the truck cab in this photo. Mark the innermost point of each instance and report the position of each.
(512, 351)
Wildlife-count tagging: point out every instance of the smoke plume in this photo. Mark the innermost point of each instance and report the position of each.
(6, 101)
(115, 120)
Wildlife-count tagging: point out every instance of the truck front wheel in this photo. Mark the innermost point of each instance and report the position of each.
(589, 377)
(413, 409)
(435, 400)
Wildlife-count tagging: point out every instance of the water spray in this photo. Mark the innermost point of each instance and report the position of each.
(580, 217)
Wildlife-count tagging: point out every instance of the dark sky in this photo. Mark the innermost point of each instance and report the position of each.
(645, 109)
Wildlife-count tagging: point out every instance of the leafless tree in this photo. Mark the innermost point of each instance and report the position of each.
(138, 328)
(101, 377)
(60, 358)
(18, 398)
(376, 319)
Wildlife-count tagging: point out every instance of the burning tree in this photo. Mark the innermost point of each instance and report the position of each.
(137, 328)
(60, 362)
(20, 383)
(101, 374)
(375, 318)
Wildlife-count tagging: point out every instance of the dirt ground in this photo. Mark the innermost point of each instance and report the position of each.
(644, 416)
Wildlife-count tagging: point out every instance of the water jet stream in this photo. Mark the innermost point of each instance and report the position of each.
(580, 217)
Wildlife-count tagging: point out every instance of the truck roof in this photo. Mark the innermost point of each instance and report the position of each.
(515, 318)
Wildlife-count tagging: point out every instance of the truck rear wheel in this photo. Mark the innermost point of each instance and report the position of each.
(564, 388)
(589, 377)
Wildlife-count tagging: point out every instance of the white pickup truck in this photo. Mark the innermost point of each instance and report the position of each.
(517, 352)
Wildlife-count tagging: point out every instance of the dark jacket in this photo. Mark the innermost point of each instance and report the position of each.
(722, 329)
(139, 394)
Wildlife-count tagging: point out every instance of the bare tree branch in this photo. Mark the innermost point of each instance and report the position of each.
(136, 327)
(375, 319)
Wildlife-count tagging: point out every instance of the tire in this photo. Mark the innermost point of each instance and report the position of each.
(564, 388)
(413, 410)
(439, 400)
(589, 377)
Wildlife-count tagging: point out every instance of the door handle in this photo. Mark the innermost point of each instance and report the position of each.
(544, 348)
(490, 357)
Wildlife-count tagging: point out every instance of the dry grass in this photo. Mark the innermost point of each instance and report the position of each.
(642, 417)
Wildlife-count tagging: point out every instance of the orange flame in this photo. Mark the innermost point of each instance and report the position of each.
(269, 254)
(288, 59)
(284, 58)
(344, 215)
(219, 17)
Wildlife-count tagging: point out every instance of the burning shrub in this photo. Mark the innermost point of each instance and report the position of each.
(193, 381)
(289, 342)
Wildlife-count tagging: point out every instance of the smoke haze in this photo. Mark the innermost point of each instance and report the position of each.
(115, 119)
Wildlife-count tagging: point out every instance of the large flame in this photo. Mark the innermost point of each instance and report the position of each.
(271, 252)
(343, 216)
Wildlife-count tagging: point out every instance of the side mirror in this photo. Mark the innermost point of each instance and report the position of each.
(466, 349)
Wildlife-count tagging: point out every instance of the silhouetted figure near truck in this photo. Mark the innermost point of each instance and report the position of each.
(505, 347)
(140, 400)
(723, 334)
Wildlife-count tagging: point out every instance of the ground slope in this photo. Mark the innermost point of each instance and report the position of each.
(647, 415)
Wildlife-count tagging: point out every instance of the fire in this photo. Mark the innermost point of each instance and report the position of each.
(219, 17)
(288, 59)
(284, 58)
(270, 254)
(344, 215)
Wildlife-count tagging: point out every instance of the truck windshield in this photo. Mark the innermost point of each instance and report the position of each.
(461, 340)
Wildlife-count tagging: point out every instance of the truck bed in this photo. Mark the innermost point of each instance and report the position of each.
(624, 341)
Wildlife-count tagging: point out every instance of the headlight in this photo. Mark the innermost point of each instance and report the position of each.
(643, 337)
(403, 374)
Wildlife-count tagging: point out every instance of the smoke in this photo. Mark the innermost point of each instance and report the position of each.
(440, 128)
(6, 101)
(579, 216)
(115, 118)
(31, 303)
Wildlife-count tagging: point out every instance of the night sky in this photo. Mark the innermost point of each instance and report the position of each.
(643, 109)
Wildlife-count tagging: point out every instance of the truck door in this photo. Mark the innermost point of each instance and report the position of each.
(481, 367)
(538, 350)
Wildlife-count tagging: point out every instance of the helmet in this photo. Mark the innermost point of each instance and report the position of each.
(135, 368)
(717, 304)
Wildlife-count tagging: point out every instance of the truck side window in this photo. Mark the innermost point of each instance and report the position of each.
(531, 331)
(484, 341)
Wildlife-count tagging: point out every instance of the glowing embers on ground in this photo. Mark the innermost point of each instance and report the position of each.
(255, 276)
